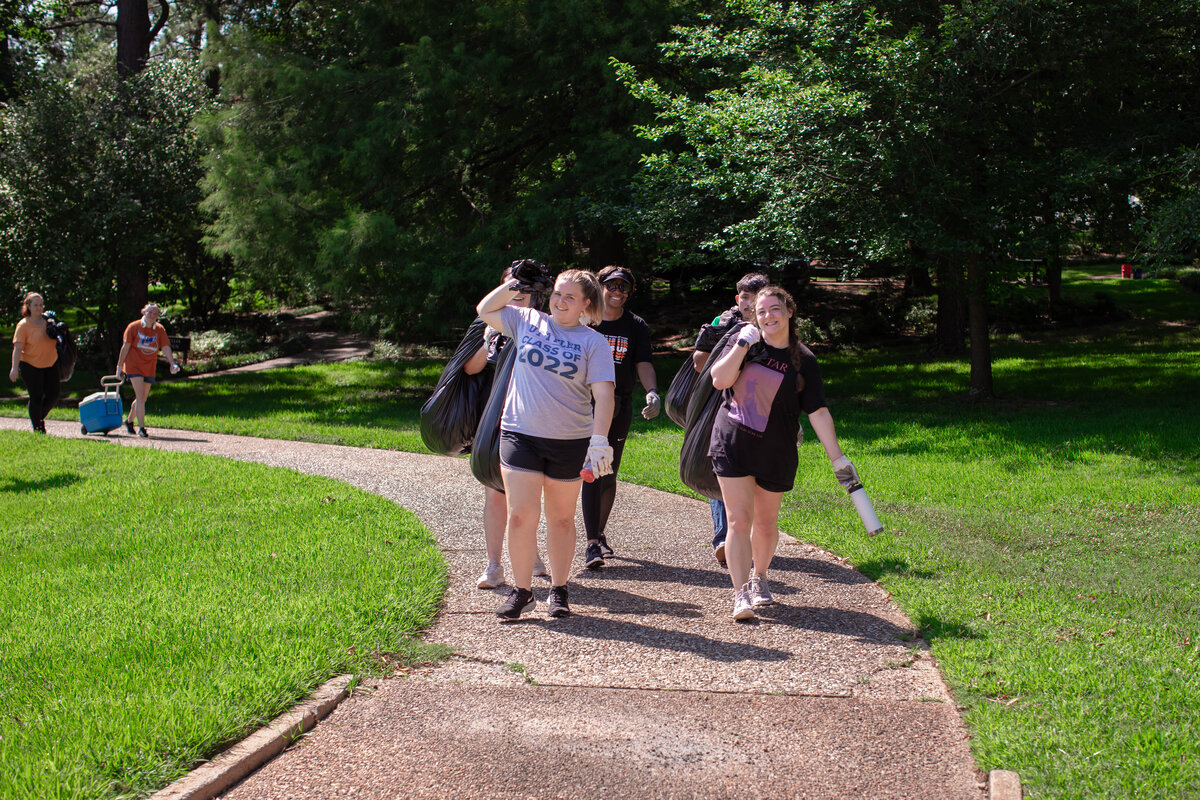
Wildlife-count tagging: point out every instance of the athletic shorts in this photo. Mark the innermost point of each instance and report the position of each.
(557, 459)
(146, 378)
(724, 467)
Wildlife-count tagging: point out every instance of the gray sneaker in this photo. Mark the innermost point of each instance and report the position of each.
(760, 595)
(742, 609)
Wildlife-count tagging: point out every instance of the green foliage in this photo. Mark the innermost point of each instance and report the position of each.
(402, 155)
(95, 173)
(1190, 280)
(159, 605)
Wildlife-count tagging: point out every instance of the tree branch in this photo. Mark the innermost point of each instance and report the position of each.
(162, 20)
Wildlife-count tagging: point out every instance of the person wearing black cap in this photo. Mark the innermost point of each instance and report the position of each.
(629, 336)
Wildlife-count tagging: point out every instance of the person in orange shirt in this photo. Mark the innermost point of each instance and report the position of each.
(139, 359)
(34, 360)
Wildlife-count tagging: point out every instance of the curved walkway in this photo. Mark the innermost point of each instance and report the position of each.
(649, 691)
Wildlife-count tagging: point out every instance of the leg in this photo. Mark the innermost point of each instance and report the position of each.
(34, 384)
(599, 495)
(51, 387)
(523, 491)
(739, 494)
(561, 534)
(495, 517)
(765, 535)
(720, 527)
(141, 390)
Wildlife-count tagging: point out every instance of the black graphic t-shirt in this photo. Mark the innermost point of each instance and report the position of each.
(629, 338)
(759, 416)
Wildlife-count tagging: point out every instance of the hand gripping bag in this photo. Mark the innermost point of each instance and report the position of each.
(485, 455)
(679, 392)
(695, 465)
(450, 416)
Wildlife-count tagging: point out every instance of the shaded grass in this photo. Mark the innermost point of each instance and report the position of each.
(143, 628)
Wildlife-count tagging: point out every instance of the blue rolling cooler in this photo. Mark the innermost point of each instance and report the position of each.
(102, 411)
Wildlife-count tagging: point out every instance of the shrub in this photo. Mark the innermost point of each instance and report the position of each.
(1190, 279)
(921, 316)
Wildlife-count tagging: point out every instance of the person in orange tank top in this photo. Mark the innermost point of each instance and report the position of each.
(34, 360)
(138, 361)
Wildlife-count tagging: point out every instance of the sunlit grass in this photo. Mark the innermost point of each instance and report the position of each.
(155, 606)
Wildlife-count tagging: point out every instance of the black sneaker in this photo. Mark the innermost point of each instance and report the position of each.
(142, 433)
(129, 426)
(519, 601)
(558, 602)
(592, 557)
(605, 550)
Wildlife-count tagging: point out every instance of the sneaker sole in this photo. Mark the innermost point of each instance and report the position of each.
(560, 611)
(595, 563)
(528, 607)
(744, 614)
(762, 603)
(486, 585)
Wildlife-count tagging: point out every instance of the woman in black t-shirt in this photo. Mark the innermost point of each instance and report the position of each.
(768, 377)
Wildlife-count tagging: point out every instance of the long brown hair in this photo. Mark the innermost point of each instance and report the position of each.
(794, 343)
(25, 303)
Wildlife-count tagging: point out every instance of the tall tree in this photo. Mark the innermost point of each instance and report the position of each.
(399, 155)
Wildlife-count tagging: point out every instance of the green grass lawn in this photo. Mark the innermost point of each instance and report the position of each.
(142, 628)
(1046, 543)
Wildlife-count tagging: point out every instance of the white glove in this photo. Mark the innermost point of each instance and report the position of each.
(845, 473)
(600, 455)
(174, 368)
(653, 405)
(749, 335)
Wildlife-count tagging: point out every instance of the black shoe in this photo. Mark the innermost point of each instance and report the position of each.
(605, 550)
(519, 601)
(142, 433)
(558, 602)
(592, 557)
(129, 426)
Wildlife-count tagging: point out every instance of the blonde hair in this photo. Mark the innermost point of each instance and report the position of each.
(591, 292)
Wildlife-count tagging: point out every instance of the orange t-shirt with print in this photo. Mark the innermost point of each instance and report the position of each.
(144, 344)
(38, 349)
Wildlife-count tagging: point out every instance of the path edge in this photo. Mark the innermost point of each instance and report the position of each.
(220, 774)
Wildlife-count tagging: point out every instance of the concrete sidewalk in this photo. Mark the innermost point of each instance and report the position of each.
(649, 691)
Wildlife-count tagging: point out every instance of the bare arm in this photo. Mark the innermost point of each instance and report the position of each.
(729, 365)
(477, 362)
(490, 306)
(602, 395)
(121, 358)
(822, 423)
(645, 371)
(18, 348)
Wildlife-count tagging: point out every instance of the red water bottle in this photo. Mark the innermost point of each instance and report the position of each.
(586, 473)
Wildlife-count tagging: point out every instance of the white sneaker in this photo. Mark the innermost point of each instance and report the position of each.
(539, 569)
(760, 595)
(492, 577)
(742, 609)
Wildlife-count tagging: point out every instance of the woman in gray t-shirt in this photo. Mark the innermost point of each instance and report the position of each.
(549, 427)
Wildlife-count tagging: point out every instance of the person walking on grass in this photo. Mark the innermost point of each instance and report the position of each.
(743, 310)
(138, 361)
(495, 509)
(629, 337)
(35, 360)
(767, 378)
(556, 416)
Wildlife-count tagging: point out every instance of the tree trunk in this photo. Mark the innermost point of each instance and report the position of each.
(7, 73)
(133, 36)
(951, 309)
(981, 348)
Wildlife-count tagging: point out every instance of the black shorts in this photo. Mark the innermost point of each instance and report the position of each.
(724, 467)
(557, 459)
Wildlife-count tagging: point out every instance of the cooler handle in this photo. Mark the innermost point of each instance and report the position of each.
(111, 383)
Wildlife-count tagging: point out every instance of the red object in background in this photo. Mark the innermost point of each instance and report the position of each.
(1127, 270)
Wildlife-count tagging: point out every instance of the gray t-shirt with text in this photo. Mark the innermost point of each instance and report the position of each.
(550, 394)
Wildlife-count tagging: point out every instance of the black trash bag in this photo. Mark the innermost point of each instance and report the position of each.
(532, 276)
(485, 455)
(64, 344)
(695, 465)
(679, 392)
(450, 416)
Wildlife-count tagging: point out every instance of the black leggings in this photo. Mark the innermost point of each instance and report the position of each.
(42, 384)
(598, 496)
